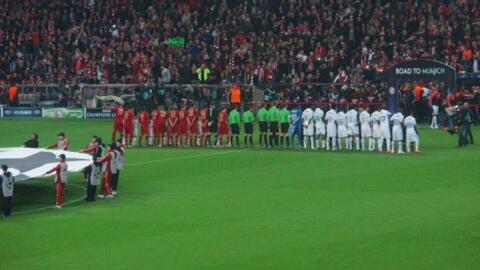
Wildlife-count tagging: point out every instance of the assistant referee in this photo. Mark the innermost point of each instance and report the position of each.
(262, 116)
(234, 122)
(248, 125)
(273, 125)
(284, 118)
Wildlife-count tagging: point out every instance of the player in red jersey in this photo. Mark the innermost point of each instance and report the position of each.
(154, 116)
(118, 120)
(158, 122)
(181, 125)
(222, 129)
(204, 130)
(172, 125)
(144, 121)
(128, 124)
(162, 125)
(192, 125)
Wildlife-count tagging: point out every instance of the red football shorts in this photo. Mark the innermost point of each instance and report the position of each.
(158, 128)
(222, 129)
(118, 126)
(128, 129)
(144, 130)
(193, 128)
(181, 128)
(172, 129)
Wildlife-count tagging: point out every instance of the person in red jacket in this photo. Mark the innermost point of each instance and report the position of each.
(61, 144)
(106, 185)
(61, 175)
(92, 147)
(192, 125)
(128, 124)
(118, 120)
(143, 119)
(172, 125)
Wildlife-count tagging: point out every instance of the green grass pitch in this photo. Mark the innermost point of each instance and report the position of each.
(251, 209)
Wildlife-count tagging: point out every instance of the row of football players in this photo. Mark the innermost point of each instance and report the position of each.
(359, 129)
(177, 127)
(173, 127)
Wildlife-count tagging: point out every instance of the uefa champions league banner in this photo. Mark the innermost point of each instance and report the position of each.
(27, 163)
(99, 114)
(63, 112)
(22, 112)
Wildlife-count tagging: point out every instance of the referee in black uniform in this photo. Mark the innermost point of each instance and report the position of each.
(212, 122)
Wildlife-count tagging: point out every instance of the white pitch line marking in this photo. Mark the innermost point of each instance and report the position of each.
(184, 157)
(50, 206)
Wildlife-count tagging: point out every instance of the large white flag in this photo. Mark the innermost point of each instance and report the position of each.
(26, 163)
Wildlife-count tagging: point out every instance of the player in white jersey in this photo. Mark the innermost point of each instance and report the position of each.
(341, 129)
(397, 132)
(384, 129)
(331, 118)
(308, 128)
(374, 119)
(319, 127)
(366, 129)
(411, 133)
(352, 129)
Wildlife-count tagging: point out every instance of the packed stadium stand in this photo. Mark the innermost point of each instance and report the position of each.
(67, 43)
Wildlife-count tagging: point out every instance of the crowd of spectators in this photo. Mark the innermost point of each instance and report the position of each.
(251, 41)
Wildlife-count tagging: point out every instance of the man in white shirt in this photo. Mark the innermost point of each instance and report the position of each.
(366, 130)
(412, 137)
(341, 129)
(352, 129)
(331, 118)
(384, 128)
(397, 132)
(374, 119)
(319, 127)
(308, 128)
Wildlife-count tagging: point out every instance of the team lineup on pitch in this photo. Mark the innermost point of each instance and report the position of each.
(351, 129)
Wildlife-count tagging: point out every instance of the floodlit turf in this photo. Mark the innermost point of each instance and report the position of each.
(251, 209)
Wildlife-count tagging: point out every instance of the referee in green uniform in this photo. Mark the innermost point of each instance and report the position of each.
(262, 116)
(284, 117)
(273, 114)
(248, 125)
(234, 122)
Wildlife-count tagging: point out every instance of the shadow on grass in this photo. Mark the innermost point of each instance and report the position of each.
(40, 193)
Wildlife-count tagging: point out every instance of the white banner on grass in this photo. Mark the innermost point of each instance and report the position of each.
(27, 163)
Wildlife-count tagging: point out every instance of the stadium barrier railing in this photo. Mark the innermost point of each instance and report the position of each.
(93, 98)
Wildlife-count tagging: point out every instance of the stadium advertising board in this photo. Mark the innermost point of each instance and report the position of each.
(63, 113)
(420, 70)
(98, 113)
(22, 112)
